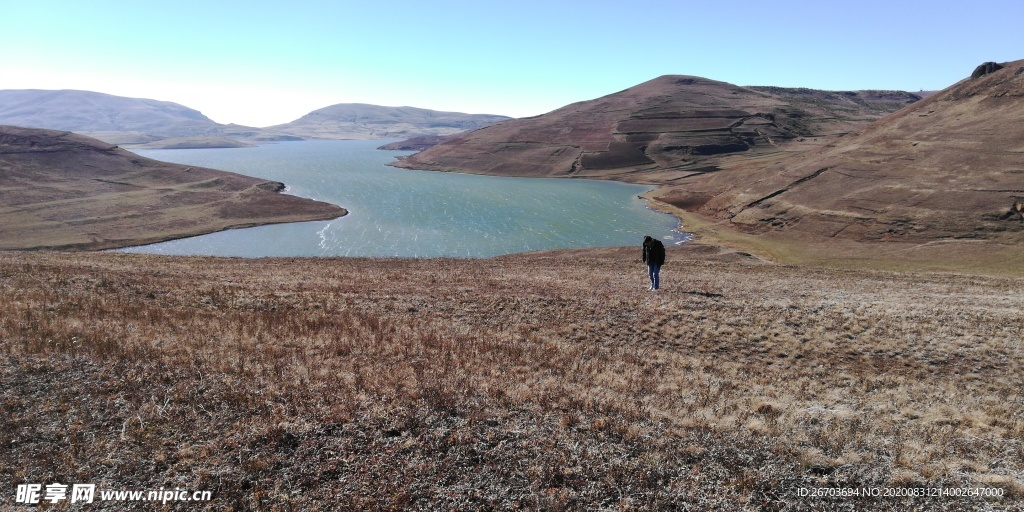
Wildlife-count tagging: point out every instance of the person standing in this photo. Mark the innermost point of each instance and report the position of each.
(654, 257)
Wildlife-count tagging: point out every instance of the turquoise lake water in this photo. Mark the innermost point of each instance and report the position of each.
(398, 212)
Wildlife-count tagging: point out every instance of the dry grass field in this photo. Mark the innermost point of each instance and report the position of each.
(549, 381)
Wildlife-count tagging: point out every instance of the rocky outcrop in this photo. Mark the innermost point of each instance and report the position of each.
(986, 68)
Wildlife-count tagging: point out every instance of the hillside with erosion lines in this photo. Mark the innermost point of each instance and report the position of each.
(943, 176)
(866, 178)
(658, 131)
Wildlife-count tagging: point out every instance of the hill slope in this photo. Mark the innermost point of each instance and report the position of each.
(948, 167)
(680, 124)
(66, 191)
(90, 112)
(362, 121)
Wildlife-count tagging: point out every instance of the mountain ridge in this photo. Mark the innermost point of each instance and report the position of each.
(137, 121)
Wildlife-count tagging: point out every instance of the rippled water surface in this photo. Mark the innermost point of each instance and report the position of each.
(397, 212)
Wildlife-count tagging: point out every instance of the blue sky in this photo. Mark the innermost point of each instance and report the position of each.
(263, 63)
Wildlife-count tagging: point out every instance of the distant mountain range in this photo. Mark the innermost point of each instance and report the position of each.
(362, 121)
(92, 112)
(161, 124)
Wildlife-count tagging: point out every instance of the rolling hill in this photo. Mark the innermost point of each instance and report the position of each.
(60, 190)
(93, 112)
(362, 121)
(949, 168)
(657, 131)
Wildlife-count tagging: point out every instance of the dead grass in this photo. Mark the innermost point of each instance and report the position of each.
(545, 381)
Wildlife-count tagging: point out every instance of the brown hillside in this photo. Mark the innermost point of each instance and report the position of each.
(60, 190)
(657, 131)
(950, 167)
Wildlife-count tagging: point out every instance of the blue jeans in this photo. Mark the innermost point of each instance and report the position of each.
(652, 272)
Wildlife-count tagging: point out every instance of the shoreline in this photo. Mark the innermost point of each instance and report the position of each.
(946, 255)
(541, 226)
(683, 218)
(216, 227)
(940, 255)
(65, 191)
(227, 228)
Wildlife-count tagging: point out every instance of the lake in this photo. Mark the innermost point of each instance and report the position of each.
(398, 212)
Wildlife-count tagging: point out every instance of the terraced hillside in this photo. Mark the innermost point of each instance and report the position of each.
(657, 131)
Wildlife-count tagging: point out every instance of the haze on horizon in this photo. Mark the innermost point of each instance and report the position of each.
(263, 63)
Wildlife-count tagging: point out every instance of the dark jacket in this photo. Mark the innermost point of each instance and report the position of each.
(654, 252)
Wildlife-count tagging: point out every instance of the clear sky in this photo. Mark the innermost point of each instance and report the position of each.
(262, 63)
